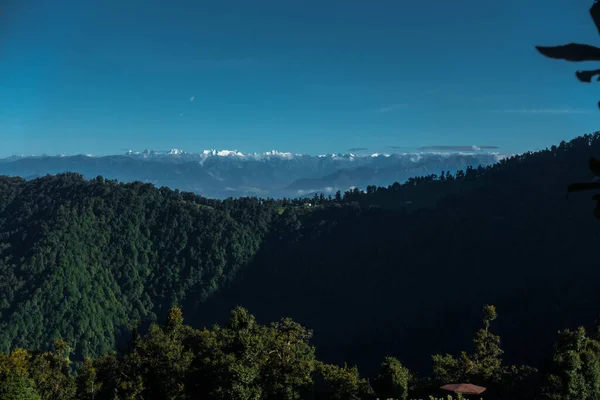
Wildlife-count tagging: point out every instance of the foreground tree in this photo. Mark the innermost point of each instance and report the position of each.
(484, 366)
(15, 381)
(51, 372)
(246, 360)
(578, 52)
(87, 383)
(393, 380)
(575, 368)
(340, 383)
(157, 366)
(582, 52)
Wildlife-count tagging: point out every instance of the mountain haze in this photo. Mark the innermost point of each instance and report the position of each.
(222, 174)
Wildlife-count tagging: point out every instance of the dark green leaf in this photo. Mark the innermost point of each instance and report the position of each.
(595, 166)
(579, 187)
(571, 52)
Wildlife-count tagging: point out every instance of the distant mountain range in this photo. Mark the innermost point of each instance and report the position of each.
(229, 173)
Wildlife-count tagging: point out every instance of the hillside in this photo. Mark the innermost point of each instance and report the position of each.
(402, 270)
(83, 259)
(381, 275)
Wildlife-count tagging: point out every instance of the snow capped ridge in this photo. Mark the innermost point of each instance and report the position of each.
(222, 153)
(415, 156)
(225, 153)
(276, 153)
(379, 155)
(212, 153)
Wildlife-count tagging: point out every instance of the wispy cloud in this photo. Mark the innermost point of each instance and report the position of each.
(547, 111)
(390, 107)
(355, 149)
(192, 98)
(178, 65)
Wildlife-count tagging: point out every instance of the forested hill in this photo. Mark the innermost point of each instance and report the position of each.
(402, 270)
(82, 259)
(381, 276)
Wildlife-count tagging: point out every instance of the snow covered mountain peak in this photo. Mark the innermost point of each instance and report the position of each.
(275, 154)
(212, 153)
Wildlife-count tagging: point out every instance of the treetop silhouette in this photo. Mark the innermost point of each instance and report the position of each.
(578, 52)
(582, 52)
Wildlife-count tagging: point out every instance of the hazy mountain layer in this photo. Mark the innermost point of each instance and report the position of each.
(222, 174)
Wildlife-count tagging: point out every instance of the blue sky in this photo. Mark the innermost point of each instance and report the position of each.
(307, 76)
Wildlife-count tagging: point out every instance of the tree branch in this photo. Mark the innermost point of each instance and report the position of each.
(571, 52)
(586, 76)
(595, 13)
(578, 187)
(595, 166)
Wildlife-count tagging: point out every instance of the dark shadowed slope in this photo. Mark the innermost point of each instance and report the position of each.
(372, 280)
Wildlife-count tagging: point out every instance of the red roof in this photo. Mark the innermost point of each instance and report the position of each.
(464, 388)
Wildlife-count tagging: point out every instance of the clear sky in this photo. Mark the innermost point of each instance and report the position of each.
(307, 76)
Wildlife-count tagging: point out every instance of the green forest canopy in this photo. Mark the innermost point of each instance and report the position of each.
(86, 261)
(246, 360)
